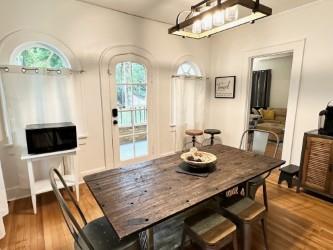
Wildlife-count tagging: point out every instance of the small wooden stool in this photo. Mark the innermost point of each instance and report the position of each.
(194, 133)
(212, 133)
(287, 174)
(210, 230)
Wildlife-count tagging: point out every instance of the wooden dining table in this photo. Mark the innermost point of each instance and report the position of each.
(137, 197)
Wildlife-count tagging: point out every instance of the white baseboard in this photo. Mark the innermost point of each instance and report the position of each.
(17, 192)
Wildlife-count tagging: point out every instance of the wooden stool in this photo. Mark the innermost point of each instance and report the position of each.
(244, 213)
(212, 132)
(210, 230)
(287, 174)
(194, 133)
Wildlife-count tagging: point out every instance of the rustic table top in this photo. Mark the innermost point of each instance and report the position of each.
(137, 197)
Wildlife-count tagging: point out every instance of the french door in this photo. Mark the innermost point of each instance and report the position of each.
(130, 109)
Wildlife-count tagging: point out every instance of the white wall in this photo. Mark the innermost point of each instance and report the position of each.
(281, 69)
(88, 30)
(311, 22)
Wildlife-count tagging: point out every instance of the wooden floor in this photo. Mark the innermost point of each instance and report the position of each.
(295, 221)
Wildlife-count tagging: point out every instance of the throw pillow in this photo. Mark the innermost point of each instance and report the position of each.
(268, 114)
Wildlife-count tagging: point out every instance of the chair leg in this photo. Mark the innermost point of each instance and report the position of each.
(263, 223)
(246, 236)
(264, 191)
(234, 242)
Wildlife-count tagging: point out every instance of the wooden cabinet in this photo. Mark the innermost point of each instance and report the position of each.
(316, 173)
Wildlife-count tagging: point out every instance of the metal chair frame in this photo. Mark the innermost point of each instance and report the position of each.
(252, 186)
(71, 222)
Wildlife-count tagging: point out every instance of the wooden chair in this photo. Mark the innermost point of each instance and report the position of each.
(209, 230)
(97, 234)
(257, 141)
(244, 213)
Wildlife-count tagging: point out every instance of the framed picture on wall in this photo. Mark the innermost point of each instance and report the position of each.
(225, 87)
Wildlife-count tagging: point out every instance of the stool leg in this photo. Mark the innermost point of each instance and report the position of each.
(264, 190)
(246, 236)
(212, 140)
(263, 223)
(193, 141)
(281, 178)
(234, 241)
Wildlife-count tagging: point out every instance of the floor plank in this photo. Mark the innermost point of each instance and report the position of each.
(295, 221)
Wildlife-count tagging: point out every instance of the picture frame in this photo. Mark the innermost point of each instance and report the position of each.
(225, 87)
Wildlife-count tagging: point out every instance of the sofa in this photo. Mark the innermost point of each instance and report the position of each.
(274, 120)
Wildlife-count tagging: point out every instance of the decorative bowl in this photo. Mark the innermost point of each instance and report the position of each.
(208, 159)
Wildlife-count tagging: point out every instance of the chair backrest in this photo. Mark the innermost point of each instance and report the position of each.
(257, 141)
(71, 222)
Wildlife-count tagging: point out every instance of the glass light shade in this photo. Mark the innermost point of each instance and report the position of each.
(231, 14)
(196, 27)
(218, 18)
(207, 22)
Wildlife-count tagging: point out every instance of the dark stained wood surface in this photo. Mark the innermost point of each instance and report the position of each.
(137, 197)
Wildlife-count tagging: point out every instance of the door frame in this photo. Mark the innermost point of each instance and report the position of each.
(297, 50)
(108, 56)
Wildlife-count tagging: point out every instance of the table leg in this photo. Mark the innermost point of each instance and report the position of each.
(32, 186)
(76, 171)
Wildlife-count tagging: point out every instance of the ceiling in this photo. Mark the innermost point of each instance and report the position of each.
(167, 10)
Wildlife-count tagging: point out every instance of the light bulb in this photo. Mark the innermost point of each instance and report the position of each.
(218, 18)
(207, 22)
(196, 27)
(231, 14)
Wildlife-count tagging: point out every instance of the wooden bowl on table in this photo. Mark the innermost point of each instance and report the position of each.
(207, 159)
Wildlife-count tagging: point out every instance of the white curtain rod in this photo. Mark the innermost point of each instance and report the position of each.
(25, 69)
(189, 77)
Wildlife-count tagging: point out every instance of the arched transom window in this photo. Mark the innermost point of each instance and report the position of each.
(188, 69)
(39, 55)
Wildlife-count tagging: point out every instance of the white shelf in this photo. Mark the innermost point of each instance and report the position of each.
(43, 186)
(27, 156)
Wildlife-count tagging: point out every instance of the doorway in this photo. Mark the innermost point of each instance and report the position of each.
(130, 110)
(270, 86)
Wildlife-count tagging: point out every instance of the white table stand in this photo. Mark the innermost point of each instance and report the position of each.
(43, 186)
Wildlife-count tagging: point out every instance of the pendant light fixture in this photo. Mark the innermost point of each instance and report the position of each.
(213, 16)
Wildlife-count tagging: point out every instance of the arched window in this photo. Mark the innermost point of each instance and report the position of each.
(39, 55)
(188, 69)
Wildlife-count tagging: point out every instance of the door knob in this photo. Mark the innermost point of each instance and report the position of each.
(115, 122)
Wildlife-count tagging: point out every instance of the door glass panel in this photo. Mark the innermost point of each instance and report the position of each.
(131, 82)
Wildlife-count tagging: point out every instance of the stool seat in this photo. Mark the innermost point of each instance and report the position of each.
(288, 173)
(212, 131)
(246, 209)
(210, 230)
(290, 169)
(193, 132)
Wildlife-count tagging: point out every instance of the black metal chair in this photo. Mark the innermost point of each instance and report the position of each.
(257, 141)
(95, 235)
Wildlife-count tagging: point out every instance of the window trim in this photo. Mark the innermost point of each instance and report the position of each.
(28, 45)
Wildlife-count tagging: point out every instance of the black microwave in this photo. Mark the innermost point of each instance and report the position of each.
(50, 137)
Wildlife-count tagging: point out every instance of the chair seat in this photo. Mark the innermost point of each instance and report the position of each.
(290, 169)
(194, 132)
(259, 180)
(246, 209)
(212, 131)
(102, 236)
(210, 226)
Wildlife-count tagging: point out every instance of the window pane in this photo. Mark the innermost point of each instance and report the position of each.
(119, 69)
(138, 73)
(40, 57)
(140, 116)
(126, 148)
(124, 96)
(141, 145)
(139, 95)
(125, 118)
